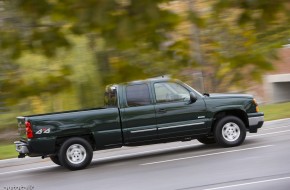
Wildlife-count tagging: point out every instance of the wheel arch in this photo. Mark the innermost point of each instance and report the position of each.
(235, 112)
(88, 137)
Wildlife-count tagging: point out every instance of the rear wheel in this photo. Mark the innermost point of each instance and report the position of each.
(230, 131)
(75, 153)
(55, 159)
(207, 140)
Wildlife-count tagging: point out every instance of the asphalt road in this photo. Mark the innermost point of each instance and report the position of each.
(262, 162)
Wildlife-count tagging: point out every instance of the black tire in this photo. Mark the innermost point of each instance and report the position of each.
(207, 140)
(55, 160)
(75, 153)
(230, 131)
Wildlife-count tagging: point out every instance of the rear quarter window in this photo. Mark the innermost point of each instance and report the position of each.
(138, 95)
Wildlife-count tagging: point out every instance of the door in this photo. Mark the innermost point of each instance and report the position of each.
(175, 115)
(138, 117)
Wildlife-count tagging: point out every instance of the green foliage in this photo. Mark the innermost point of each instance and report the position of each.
(59, 54)
(236, 49)
(196, 19)
(260, 13)
(38, 85)
(120, 23)
(128, 29)
(44, 28)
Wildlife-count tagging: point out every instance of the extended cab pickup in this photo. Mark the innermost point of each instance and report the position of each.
(140, 112)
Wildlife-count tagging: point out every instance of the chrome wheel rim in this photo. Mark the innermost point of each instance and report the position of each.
(76, 154)
(231, 131)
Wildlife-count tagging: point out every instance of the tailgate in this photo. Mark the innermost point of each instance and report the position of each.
(22, 128)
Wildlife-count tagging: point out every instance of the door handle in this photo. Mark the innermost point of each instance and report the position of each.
(161, 110)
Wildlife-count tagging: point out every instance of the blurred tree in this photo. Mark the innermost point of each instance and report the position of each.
(42, 27)
(137, 39)
(15, 36)
(44, 63)
(259, 13)
(121, 23)
(233, 53)
(73, 69)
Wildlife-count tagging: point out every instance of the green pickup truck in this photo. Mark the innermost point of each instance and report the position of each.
(141, 112)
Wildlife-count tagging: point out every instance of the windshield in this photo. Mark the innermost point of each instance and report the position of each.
(193, 90)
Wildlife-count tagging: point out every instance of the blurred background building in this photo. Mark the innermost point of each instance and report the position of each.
(276, 84)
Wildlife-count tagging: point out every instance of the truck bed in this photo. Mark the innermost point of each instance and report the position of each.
(102, 125)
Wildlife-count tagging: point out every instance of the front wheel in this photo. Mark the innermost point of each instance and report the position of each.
(230, 131)
(75, 153)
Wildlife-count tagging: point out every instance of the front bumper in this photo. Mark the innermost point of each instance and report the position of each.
(22, 148)
(255, 123)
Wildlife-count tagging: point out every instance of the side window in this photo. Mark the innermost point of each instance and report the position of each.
(170, 92)
(138, 95)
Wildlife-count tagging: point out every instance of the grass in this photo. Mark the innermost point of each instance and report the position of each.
(7, 151)
(276, 111)
(272, 112)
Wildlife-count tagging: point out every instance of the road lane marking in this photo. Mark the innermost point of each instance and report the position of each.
(204, 155)
(104, 158)
(271, 128)
(278, 120)
(171, 148)
(144, 152)
(28, 169)
(250, 183)
(135, 154)
(277, 132)
(122, 155)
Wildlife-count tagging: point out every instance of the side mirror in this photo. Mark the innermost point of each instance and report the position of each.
(193, 97)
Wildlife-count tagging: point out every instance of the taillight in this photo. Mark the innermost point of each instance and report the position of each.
(29, 132)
